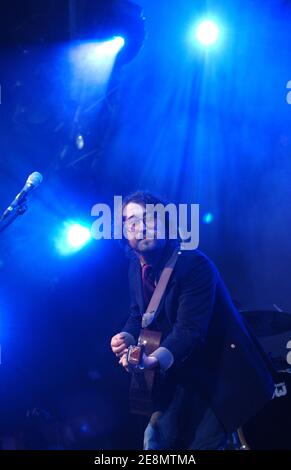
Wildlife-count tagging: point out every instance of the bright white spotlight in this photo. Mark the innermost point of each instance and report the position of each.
(72, 238)
(94, 61)
(78, 236)
(118, 42)
(207, 32)
(110, 48)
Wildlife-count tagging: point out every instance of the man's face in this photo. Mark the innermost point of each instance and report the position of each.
(140, 231)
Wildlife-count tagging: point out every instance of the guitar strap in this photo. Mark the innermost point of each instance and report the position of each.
(159, 291)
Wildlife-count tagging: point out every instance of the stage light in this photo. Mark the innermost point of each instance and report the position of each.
(80, 143)
(207, 32)
(78, 236)
(95, 60)
(207, 218)
(121, 22)
(110, 47)
(72, 238)
(116, 44)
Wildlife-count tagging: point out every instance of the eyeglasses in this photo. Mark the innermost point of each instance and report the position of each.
(132, 223)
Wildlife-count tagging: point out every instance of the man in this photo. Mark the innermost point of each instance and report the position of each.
(213, 375)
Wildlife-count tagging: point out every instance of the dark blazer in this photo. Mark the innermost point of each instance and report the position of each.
(212, 347)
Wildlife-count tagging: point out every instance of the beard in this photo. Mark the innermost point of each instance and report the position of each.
(146, 245)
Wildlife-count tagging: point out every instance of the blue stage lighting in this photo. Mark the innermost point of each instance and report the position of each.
(116, 44)
(207, 32)
(111, 47)
(78, 236)
(72, 238)
(95, 60)
(207, 218)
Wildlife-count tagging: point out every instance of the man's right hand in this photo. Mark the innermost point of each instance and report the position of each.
(118, 344)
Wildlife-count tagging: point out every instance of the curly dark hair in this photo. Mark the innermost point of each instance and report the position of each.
(143, 198)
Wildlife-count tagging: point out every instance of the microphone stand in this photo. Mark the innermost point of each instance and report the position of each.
(7, 220)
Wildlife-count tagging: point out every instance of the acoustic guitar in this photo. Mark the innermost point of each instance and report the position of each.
(143, 381)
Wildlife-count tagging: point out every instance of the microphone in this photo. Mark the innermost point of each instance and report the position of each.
(33, 181)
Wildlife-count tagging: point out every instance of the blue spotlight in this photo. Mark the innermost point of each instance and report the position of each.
(115, 44)
(207, 218)
(73, 237)
(110, 48)
(78, 236)
(207, 32)
(95, 60)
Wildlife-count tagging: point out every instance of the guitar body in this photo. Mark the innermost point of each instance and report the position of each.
(143, 381)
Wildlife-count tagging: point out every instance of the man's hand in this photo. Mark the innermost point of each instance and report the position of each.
(123, 361)
(118, 345)
(147, 363)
